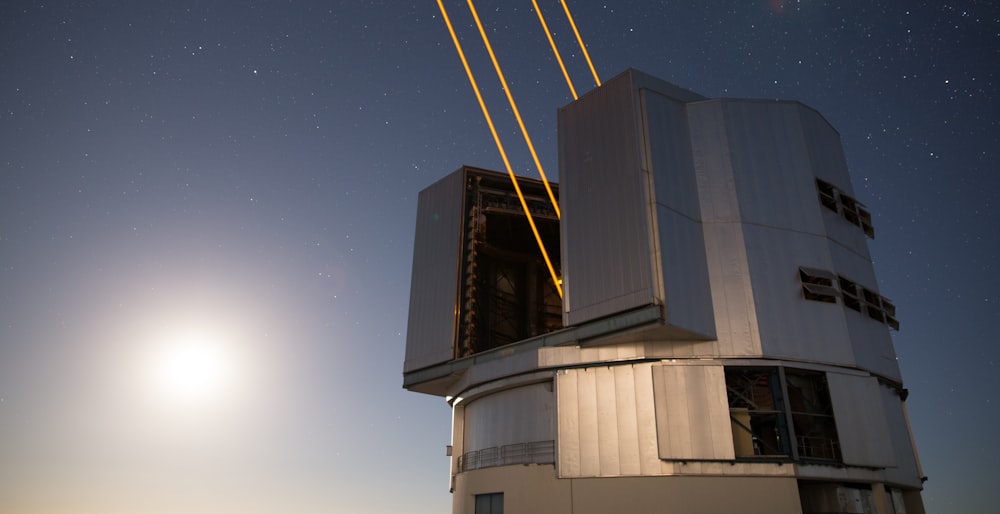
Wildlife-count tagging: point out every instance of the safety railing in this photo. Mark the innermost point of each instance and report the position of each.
(823, 448)
(537, 452)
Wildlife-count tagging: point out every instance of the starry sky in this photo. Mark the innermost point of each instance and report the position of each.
(251, 169)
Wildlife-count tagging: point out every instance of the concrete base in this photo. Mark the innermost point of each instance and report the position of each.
(535, 488)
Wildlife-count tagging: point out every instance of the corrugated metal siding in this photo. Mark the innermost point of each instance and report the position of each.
(861, 420)
(430, 330)
(606, 422)
(605, 231)
(521, 415)
(692, 412)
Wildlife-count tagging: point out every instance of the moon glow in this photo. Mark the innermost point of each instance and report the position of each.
(194, 367)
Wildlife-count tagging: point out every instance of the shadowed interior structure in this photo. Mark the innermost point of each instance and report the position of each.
(507, 294)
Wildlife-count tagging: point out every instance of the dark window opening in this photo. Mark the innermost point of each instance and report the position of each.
(873, 305)
(865, 218)
(812, 415)
(827, 194)
(849, 292)
(889, 310)
(489, 503)
(771, 407)
(880, 308)
(853, 211)
(850, 206)
(756, 412)
(826, 497)
(817, 285)
(507, 291)
(823, 286)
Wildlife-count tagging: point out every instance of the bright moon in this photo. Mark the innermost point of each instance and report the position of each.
(193, 367)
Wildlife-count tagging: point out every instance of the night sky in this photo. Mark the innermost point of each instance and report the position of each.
(245, 175)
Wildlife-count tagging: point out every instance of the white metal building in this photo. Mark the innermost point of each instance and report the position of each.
(721, 345)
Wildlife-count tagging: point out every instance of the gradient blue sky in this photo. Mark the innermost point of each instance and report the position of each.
(252, 168)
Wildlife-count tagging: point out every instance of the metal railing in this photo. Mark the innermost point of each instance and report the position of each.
(823, 448)
(537, 452)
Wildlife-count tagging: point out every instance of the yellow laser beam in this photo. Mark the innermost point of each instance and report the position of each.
(580, 40)
(555, 51)
(513, 106)
(503, 154)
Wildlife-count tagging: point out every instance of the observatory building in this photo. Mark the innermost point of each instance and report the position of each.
(720, 344)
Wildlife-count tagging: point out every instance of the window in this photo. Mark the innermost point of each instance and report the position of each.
(817, 285)
(812, 415)
(879, 308)
(853, 211)
(823, 286)
(827, 195)
(890, 314)
(849, 291)
(770, 407)
(866, 223)
(873, 304)
(489, 503)
(756, 411)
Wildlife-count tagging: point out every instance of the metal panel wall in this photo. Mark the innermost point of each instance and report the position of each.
(430, 331)
(687, 291)
(770, 165)
(725, 251)
(861, 420)
(630, 228)
(791, 326)
(692, 412)
(907, 470)
(605, 235)
(679, 240)
(826, 152)
(606, 422)
(667, 149)
(755, 164)
(712, 163)
(826, 156)
(732, 295)
(642, 80)
(520, 415)
(872, 344)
